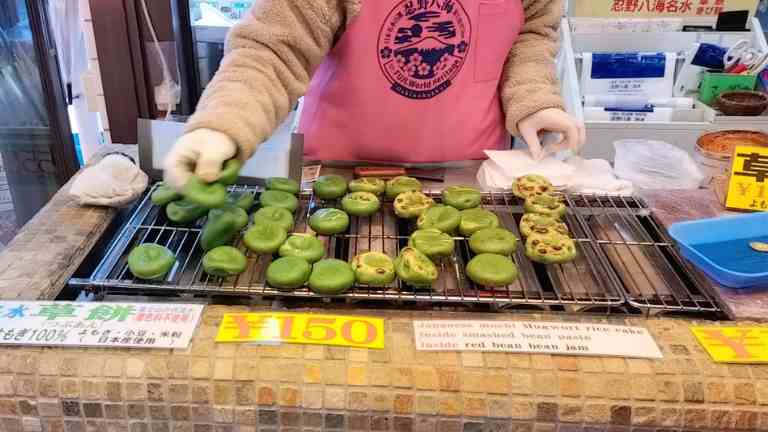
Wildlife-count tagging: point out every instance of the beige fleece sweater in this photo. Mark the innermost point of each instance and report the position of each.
(272, 53)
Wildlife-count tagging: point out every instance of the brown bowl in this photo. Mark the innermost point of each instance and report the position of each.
(721, 144)
(742, 103)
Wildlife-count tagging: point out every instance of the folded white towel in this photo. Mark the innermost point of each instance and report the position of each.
(594, 176)
(112, 182)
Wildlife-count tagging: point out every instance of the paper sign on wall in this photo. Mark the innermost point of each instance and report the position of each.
(748, 187)
(579, 339)
(659, 8)
(734, 344)
(125, 325)
(298, 328)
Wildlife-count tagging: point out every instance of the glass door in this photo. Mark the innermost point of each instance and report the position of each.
(37, 153)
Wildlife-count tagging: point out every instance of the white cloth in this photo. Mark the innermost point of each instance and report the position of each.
(112, 182)
(593, 176)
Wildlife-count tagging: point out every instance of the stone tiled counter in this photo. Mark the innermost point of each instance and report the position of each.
(225, 387)
(221, 388)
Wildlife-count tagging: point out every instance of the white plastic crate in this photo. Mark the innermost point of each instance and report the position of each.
(688, 124)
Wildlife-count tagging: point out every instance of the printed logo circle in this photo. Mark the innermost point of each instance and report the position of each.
(423, 45)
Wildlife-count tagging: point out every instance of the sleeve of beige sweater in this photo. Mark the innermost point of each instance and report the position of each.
(529, 82)
(270, 57)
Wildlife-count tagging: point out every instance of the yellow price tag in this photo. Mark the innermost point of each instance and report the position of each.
(299, 328)
(748, 186)
(734, 344)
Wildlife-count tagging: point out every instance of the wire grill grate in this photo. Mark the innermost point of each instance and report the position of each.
(624, 258)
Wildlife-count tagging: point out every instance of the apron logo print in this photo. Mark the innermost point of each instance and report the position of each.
(423, 45)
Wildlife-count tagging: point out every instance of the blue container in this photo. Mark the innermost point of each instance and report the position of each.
(721, 248)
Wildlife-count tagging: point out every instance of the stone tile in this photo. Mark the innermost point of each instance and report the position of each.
(426, 378)
(744, 393)
(449, 405)
(29, 424)
(180, 412)
(158, 412)
(114, 391)
(27, 407)
(200, 368)
(669, 417)
(7, 386)
(113, 367)
(290, 396)
(334, 398)
(223, 369)
(156, 392)
(156, 367)
(69, 366)
(403, 403)
(246, 416)
(9, 407)
(134, 367)
(70, 388)
(93, 410)
(71, 408)
(496, 383)
(597, 413)
(718, 392)
(201, 413)
(545, 384)
(114, 411)
(746, 420)
(79, 426)
(312, 397)
(223, 414)
(425, 404)
(357, 375)
(48, 387)
(547, 412)
(313, 373)
(668, 390)
(721, 420)
(473, 426)
(334, 373)
(136, 411)
(448, 379)
(570, 385)
(357, 401)
(201, 393)
(381, 401)
(25, 386)
(572, 413)
(334, 421)
(223, 393)
(358, 422)
(521, 409)
(379, 375)
(402, 377)
(693, 391)
(644, 416)
(447, 425)
(49, 408)
(402, 424)
(178, 367)
(312, 419)
(696, 418)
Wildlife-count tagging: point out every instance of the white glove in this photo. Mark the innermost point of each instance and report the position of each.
(113, 182)
(552, 120)
(201, 152)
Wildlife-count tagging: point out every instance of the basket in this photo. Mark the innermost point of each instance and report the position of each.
(742, 103)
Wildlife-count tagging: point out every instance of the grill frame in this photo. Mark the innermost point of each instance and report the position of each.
(605, 280)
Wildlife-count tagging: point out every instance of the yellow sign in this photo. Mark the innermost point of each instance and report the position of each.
(298, 328)
(660, 8)
(748, 187)
(734, 344)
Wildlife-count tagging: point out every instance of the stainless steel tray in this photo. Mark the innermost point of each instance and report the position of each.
(625, 259)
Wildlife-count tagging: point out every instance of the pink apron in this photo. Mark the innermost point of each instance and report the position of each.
(413, 81)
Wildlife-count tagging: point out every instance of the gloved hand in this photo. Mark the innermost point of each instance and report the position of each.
(573, 133)
(201, 152)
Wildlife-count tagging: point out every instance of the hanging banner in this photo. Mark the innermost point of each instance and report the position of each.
(659, 8)
(124, 325)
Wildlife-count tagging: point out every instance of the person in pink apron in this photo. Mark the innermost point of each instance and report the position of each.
(389, 81)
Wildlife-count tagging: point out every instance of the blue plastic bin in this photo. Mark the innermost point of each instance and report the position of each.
(720, 248)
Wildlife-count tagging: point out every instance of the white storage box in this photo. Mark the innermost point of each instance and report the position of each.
(687, 125)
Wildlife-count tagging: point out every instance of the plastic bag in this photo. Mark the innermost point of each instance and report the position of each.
(655, 165)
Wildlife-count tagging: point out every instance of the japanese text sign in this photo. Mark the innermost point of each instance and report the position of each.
(580, 339)
(297, 328)
(734, 344)
(659, 8)
(125, 325)
(748, 187)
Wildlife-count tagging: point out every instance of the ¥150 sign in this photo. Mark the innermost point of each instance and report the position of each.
(299, 328)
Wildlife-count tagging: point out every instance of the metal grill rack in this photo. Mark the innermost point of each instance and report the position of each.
(625, 258)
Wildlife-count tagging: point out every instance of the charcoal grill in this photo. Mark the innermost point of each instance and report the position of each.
(626, 260)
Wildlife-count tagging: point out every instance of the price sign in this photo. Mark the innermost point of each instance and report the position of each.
(734, 344)
(748, 187)
(298, 328)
